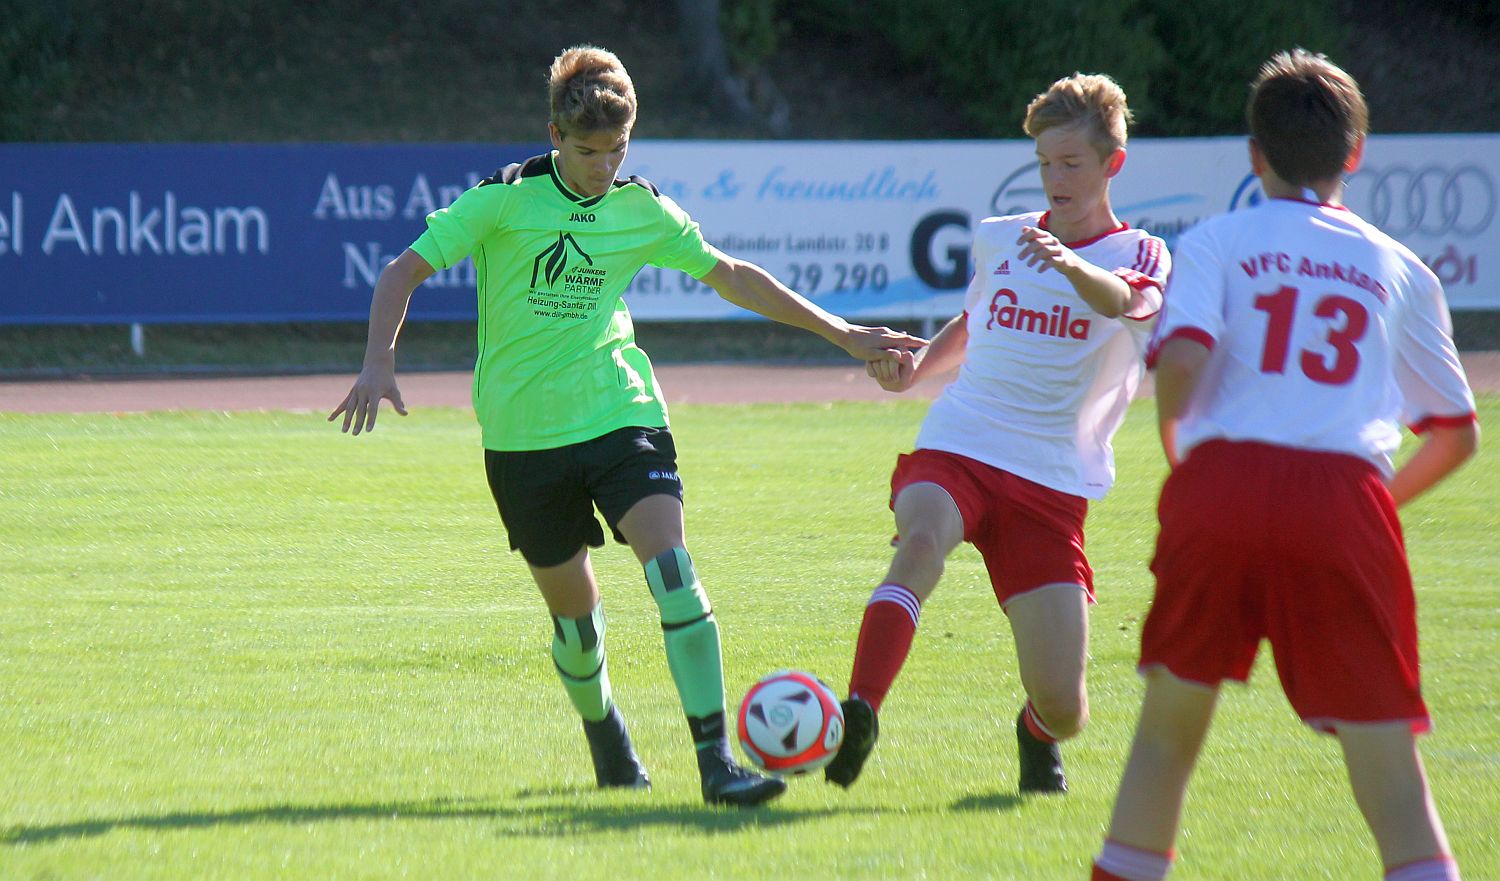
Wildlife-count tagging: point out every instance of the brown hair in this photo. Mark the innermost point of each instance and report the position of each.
(589, 91)
(1092, 99)
(1307, 115)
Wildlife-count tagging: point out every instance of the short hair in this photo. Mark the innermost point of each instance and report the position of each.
(1307, 115)
(590, 91)
(1092, 99)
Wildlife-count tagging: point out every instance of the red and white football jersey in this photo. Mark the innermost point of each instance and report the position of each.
(1046, 380)
(1325, 332)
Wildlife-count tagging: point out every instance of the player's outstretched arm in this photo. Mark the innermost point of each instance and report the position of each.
(1179, 366)
(750, 287)
(377, 378)
(944, 353)
(1105, 292)
(1445, 448)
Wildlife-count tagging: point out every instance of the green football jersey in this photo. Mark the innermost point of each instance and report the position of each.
(558, 363)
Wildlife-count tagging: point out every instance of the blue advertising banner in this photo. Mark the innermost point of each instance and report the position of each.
(152, 233)
(870, 230)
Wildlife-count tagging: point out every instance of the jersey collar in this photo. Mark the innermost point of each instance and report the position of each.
(1042, 224)
(567, 191)
(1313, 202)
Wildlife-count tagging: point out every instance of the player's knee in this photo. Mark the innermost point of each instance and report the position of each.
(922, 550)
(578, 645)
(1065, 712)
(675, 587)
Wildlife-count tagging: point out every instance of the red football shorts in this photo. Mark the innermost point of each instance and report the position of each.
(1029, 535)
(1299, 547)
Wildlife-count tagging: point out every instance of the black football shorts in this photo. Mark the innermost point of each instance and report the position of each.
(547, 497)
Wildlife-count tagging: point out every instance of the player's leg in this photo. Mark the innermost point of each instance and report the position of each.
(1205, 626)
(654, 529)
(1032, 544)
(1390, 786)
(1051, 629)
(1175, 716)
(572, 596)
(929, 527)
(549, 519)
(1344, 633)
(634, 480)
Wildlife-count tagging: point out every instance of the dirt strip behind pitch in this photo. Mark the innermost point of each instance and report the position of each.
(681, 383)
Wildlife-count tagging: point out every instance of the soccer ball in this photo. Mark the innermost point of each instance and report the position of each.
(790, 723)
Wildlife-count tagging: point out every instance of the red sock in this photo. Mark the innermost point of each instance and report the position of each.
(1120, 862)
(884, 639)
(1440, 868)
(1036, 726)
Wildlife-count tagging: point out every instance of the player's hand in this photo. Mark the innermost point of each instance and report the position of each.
(896, 374)
(1042, 251)
(877, 343)
(362, 404)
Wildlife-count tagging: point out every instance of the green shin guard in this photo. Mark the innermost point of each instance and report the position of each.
(578, 652)
(692, 639)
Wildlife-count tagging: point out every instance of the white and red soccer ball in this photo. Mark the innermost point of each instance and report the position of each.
(790, 723)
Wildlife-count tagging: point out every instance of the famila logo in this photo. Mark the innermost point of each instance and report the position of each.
(554, 261)
(1006, 312)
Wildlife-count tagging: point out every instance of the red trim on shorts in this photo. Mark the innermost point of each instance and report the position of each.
(1030, 535)
(1327, 725)
(1195, 334)
(1444, 422)
(1301, 548)
(1142, 669)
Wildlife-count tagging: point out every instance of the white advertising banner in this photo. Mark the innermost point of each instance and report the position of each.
(883, 229)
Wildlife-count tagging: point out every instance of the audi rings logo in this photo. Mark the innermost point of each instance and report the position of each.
(1430, 200)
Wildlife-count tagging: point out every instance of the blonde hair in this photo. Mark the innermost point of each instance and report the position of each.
(1092, 99)
(589, 91)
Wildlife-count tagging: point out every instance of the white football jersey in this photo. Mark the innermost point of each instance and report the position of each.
(1325, 333)
(1046, 380)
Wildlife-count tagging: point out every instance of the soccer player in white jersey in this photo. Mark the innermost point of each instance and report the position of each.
(1051, 344)
(1296, 340)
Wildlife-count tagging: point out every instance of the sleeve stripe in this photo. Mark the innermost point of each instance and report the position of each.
(1444, 422)
(1148, 257)
(1154, 252)
(1197, 335)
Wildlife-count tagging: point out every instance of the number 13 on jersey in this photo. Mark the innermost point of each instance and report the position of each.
(1347, 321)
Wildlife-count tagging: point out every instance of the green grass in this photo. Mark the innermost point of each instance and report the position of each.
(243, 646)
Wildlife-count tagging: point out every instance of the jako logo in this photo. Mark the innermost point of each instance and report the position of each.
(662, 475)
(554, 261)
(1059, 322)
(581, 218)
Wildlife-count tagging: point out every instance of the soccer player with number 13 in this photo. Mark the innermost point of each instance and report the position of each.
(1296, 339)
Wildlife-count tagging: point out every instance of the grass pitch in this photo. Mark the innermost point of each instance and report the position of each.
(243, 646)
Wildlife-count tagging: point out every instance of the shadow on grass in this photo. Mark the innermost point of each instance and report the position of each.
(995, 801)
(534, 820)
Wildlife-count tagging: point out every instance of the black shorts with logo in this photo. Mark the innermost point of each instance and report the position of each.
(547, 497)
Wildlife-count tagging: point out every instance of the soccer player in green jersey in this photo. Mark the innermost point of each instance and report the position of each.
(570, 411)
